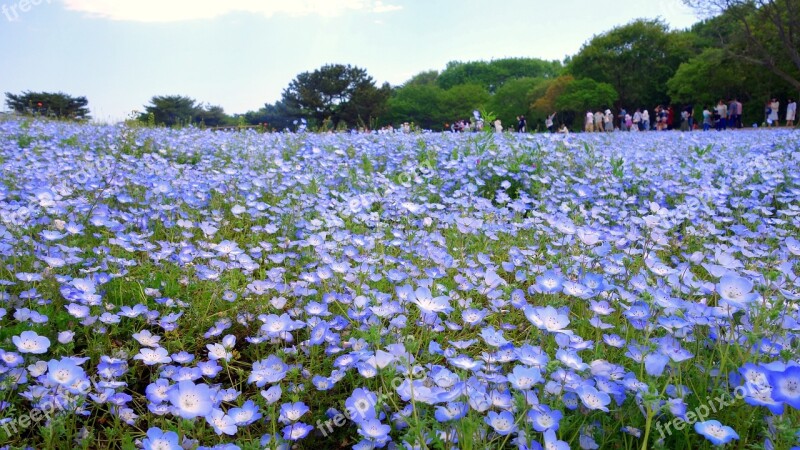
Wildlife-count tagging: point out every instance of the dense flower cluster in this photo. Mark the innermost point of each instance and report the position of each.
(192, 289)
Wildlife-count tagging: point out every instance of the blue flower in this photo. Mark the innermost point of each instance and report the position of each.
(736, 291)
(191, 400)
(502, 423)
(296, 431)
(543, 418)
(65, 372)
(523, 378)
(549, 282)
(373, 429)
(715, 432)
(30, 342)
(161, 440)
(786, 386)
(291, 412)
(592, 398)
(361, 405)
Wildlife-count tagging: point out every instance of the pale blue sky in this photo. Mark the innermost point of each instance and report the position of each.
(242, 53)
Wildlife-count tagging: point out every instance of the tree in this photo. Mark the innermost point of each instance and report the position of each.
(336, 92)
(768, 33)
(423, 78)
(586, 94)
(171, 110)
(418, 103)
(545, 103)
(514, 98)
(212, 116)
(460, 101)
(274, 116)
(493, 74)
(707, 78)
(636, 59)
(58, 105)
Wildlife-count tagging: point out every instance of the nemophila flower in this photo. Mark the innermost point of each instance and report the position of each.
(592, 398)
(502, 423)
(524, 378)
(152, 357)
(296, 431)
(161, 440)
(209, 369)
(221, 422)
(543, 418)
(655, 363)
(493, 338)
(473, 316)
(146, 338)
(547, 318)
(428, 304)
(270, 370)
(291, 412)
(245, 415)
(11, 359)
(715, 432)
(549, 282)
(736, 291)
(272, 395)
(30, 342)
(158, 391)
(571, 359)
(786, 386)
(373, 429)
(64, 372)
(191, 400)
(450, 411)
(218, 351)
(361, 405)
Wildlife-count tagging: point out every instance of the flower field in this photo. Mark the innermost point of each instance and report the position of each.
(168, 289)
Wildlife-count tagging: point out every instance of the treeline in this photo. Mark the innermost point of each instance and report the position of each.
(747, 50)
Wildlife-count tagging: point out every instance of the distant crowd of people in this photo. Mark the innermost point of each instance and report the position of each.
(721, 117)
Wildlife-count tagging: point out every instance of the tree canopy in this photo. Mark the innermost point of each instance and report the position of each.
(339, 93)
(636, 59)
(765, 33)
(49, 104)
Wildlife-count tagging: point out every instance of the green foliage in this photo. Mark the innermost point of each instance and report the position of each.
(337, 92)
(460, 101)
(514, 98)
(48, 104)
(637, 59)
(586, 94)
(177, 110)
(493, 74)
(418, 103)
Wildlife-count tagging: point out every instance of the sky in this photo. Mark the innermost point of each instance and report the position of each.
(240, 54)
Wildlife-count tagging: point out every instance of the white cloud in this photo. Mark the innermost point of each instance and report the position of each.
(182, 10)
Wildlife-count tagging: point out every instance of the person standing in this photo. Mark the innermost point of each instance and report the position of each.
(548, 122)
(735, 113)
(791, 111)
(498, 126)
(589, 123)
(722, 112)
(775, 105)
(598, 121)
(637, 119)
(645, 120)
(522, 124)
(608, 120)
(706, 119)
